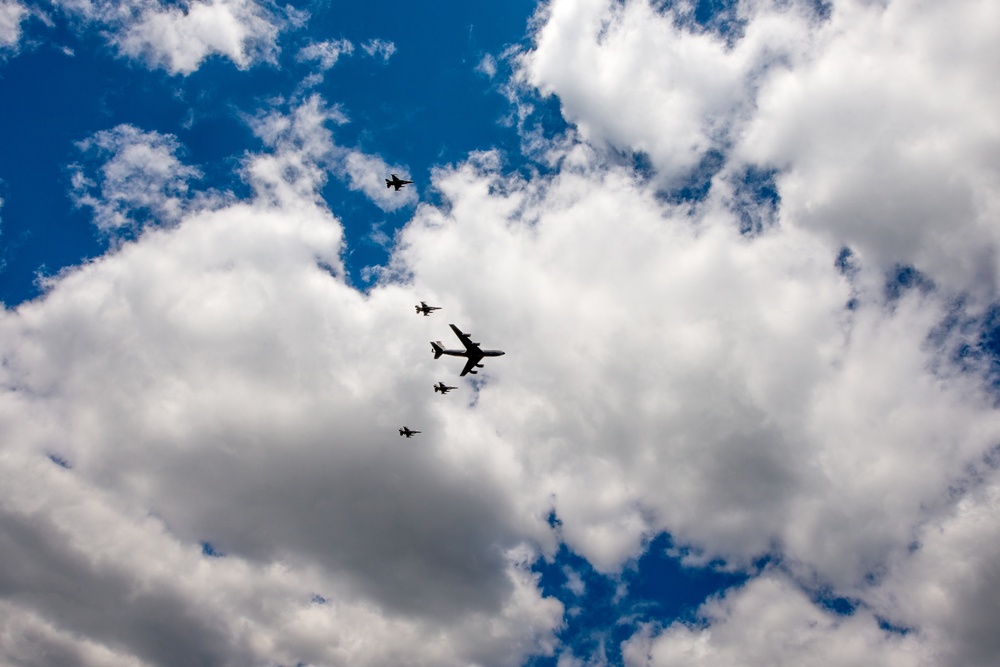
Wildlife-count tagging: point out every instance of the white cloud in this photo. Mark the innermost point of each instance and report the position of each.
(11, 15)
(141, 180)
(949, 588)
(855, 430)
(771, 622)
(380, 48)
(367, 173)
(488, 66)
(763, 398)
(574, 582)
(302, 132)
(212, 382)
(325, 53)
(180, 38)
(636, 78)
(877, 141)
(882, 146)
(237, 408)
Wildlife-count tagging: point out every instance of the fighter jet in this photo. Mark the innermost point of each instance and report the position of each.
(425, 309)
(443, 388)
(396, 182)
(472, 352)
(407, 432)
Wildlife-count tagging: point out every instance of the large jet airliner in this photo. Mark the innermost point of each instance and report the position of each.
(472, 352)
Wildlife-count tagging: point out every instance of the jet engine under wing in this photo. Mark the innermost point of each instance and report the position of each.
(466, 341)
(474, 359)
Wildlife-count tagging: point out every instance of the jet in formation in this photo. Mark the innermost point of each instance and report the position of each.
(425, 309)
(396, 182)
(472, 352)
(443, 388)
(407, 432)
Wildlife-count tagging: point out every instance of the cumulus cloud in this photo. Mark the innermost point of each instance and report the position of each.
(877, 143)
(859, 149)
(245, 437)
(141, 179)
(764, 394)
(178, 38)
(213, 399)
(949, 588)
(11, 15)
(770, 622)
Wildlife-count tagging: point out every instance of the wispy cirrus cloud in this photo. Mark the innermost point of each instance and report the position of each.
(379, 48)
(325, 53)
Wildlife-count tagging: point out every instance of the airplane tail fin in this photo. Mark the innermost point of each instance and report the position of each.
(388, 183)
(438, 349)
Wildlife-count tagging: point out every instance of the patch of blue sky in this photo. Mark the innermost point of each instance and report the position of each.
(429, 103)
(904, 278)
(603, 611)
(209, 550)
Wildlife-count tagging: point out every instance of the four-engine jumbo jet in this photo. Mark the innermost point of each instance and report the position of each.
(407, 432)
(396, 182)
(472, 352)
(425, 309)
(443, 388)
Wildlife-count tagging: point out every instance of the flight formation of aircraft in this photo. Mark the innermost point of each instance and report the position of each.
(473, 353)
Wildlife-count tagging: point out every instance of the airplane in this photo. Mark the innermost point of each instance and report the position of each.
(472, 352)
(396, 182)
(425, 309)
(443, 388)
(407, 432)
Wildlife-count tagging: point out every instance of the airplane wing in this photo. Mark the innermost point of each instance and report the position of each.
(475, 356)
(466, 341)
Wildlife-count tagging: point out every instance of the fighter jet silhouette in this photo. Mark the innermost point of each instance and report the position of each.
(396, 182)
(425, 309)
(443, 388)
(472, 352)
(407, 432)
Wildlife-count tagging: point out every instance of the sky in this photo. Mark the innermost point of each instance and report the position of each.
(742, 256)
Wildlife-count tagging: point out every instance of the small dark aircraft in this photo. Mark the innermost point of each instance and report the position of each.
(425, 309)
(396, 182)
(407, 432)
(443, 388)
(472, 352)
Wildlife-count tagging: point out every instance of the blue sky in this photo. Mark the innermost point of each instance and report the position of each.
(426, 105)
(742, 257)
